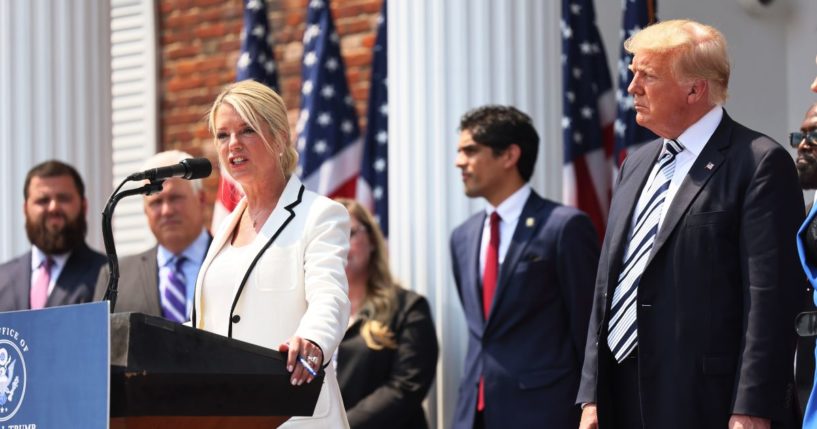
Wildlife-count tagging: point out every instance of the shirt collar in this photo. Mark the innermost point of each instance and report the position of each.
(510, 209)
(38, 256)
(194, 252)
(694, 138)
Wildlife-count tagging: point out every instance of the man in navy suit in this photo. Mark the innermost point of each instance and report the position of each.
(60, 268)
(524, 270)
(698, 280)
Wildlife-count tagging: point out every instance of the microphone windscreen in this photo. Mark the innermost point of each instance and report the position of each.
(197, 168)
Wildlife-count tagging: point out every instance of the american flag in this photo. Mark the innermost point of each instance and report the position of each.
(373, 185)
(589, 111)
(328, 132)
(637, 15)
(255, 62)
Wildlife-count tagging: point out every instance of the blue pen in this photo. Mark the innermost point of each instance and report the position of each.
(306, 366)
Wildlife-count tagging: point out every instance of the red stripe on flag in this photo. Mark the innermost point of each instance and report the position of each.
(345, 190)
(228, 195)
(586, 198)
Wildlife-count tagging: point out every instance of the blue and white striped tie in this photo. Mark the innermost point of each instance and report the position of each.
(623, 327)
(174, 296)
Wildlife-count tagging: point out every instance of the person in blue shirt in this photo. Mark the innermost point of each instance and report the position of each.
(160, 281)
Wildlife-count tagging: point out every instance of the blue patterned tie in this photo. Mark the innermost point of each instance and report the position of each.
(174, 295)
(623, 330)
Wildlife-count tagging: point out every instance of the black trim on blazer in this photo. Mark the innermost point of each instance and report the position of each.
(258, 256)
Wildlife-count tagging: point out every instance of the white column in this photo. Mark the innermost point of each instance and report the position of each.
(446, 57)
(54, 103)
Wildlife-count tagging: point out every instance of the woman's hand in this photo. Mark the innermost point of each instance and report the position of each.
(302, 353)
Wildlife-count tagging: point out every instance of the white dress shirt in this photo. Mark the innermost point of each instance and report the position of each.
(693, 139)
(194, 253)
(509, 212)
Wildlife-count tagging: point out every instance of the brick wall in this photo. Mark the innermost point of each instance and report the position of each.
(199, 46)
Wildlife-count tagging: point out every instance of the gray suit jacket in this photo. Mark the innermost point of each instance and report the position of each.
(74, 285)
(138, 284)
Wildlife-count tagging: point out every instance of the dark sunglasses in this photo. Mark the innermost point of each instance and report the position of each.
(797, 137)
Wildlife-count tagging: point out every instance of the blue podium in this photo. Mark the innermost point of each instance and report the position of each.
(54, 367)
(80, 367)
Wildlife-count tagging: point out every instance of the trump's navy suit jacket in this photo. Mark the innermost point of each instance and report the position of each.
(717, 298)
(530, 350)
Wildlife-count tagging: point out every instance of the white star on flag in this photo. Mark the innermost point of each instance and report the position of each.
(310, 58)
(324, 119)
(244, 60)
(327, 91)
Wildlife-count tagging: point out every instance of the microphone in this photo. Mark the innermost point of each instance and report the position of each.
(189, 169)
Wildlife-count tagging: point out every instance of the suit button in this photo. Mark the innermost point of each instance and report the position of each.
(236, 318)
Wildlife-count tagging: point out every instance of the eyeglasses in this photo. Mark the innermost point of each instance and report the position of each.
(356, 230)
(797, 137)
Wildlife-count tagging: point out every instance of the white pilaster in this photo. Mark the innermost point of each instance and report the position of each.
(446, 57)
(54, 103)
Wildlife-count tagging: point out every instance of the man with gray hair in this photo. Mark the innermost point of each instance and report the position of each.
(160, 281)
(698, 280)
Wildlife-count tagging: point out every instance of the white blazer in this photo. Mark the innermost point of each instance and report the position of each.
(298, 287)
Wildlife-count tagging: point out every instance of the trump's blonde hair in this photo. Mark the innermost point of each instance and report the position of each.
(698, 52)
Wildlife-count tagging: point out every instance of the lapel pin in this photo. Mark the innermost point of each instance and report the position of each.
(529, 222)
(710, 166)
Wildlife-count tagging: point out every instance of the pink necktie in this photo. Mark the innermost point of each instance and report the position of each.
(39, 290)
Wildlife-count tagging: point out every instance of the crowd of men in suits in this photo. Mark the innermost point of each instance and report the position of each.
(61, 269)
(686, 323)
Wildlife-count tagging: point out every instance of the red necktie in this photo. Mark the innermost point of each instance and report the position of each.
(489, 278)
(39, 290)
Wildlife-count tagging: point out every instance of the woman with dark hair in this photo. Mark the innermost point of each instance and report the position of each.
(387, 359)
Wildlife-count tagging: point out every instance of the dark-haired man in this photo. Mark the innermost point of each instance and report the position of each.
(806, 146)
(60, 268)
(524, 270)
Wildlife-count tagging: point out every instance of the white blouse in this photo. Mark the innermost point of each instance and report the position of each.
(219, 284)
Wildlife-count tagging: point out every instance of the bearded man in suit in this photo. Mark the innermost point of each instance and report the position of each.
(161, 280)
(60, 268)
(698, 280)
